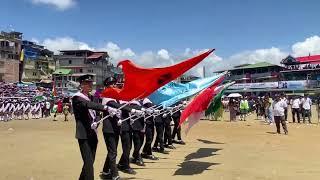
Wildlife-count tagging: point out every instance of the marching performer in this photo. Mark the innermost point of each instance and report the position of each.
(112, 128)
(158, 145)
(177, 129)
(137, 135)
(11, 109)
(149, 132)
(26, 110)
(6, 113)
(84, 112)
(1, 110)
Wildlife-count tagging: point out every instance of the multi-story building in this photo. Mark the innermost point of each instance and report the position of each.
(75, 63)
(10, 48)
(301, 73)
(294, 75)
(38, 63)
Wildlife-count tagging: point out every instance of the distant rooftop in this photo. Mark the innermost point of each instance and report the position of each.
(78, 50)
(256, 65)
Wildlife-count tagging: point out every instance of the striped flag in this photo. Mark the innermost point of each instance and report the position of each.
(197, 108)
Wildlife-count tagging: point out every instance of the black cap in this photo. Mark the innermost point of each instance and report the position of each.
(109, 81)
(86, 77)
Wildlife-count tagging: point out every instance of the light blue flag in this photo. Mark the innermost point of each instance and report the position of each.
(174, 92)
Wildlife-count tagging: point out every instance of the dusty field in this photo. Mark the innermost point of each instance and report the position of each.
(47, 150)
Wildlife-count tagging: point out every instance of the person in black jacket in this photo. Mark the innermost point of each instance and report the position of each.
(85, 116)
(137, 125)
(111, 132)
(177, 129)
(149, 133)
(158, 145)
(126, 141)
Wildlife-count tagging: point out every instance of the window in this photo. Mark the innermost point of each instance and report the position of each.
(34, 74)
(70, 61)
(80, 70)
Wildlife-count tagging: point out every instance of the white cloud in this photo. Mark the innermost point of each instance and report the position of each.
(272, 55)
(59, 4)
(164, 57)
(64, 43)
(310, 45)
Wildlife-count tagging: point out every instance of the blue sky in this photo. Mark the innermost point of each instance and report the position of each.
(233, 27)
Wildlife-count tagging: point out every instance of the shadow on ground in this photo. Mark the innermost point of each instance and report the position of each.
(208, 142)
(202, 153)
(193, 167)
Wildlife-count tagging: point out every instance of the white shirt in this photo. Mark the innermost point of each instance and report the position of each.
(278, 108)
(285, 101)
(296, 103)
(48, 105)
(306, 103)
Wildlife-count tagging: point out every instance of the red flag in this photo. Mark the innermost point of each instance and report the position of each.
(140, 82)
(196, 109)
(200, 103)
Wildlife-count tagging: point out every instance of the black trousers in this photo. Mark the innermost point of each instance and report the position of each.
(176, 130)
(88, 149)
(149, 138)
(286, 114)
(159, 137)
(137, 137)
(126, 148)
(167, 134)
(280, 120)
(111, 141)
(295, 111)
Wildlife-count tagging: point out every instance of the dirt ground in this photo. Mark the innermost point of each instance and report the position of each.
(220, 150)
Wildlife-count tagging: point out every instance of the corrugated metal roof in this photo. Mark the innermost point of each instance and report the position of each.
(62, 71)
(257, 65)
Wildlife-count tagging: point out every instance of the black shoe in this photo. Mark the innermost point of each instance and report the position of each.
(162, 151)
(127, 170)
(151, 157)
(104, 175)
(116, 178)
(139, 162)
(155, 149)
(182, 142)
(169, 146)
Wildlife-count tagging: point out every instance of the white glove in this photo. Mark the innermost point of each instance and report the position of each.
(149, 111)
(119, 113)
(119, 123)
(171, 123)
(137, 113)
(169, 108)
(112, 111)
(94, 125)
(164, 115)
(156, 111)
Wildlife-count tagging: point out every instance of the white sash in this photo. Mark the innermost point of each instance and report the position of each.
(2, 107)
(91, 112)
(11, 108)
(20, 107)
(26, 107)
(6, 107)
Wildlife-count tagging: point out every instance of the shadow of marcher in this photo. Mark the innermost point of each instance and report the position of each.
(193, 167)
(271, 132)
(201, 153)
(208, 142)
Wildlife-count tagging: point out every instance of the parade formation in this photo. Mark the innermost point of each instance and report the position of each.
(115, 90)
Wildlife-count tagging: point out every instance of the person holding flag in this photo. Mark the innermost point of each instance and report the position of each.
(112, 129)
(85, 116)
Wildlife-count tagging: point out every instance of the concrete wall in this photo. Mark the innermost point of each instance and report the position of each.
(9, 70)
